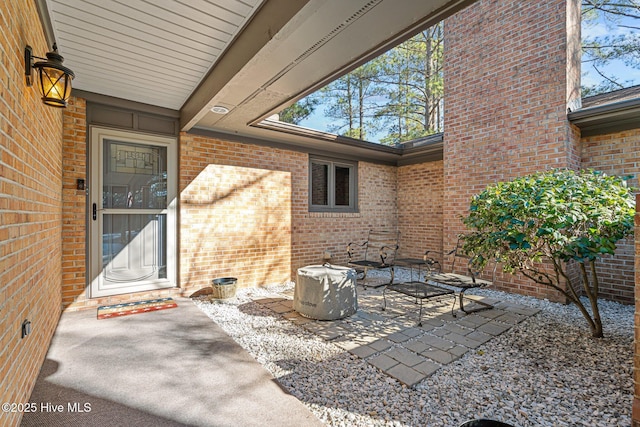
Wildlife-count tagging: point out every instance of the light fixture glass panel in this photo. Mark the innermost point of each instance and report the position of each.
(55, 86)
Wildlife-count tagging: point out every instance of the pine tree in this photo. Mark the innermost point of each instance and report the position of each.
(599, 51)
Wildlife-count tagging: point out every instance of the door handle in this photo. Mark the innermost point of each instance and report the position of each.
(95, 212)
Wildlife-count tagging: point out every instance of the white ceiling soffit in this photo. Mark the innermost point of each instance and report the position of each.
(324, 40)
(150, 51)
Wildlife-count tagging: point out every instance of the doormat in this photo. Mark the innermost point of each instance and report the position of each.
(117, 310)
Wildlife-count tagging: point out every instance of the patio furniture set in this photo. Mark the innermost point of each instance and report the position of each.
(327, 292)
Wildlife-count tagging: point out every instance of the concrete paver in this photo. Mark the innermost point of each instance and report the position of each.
(476, 319)
(381, 345)
(363, 351)
(383, 362)
(390, 340)
(406, 375)
(440, 356)
(493, 328)
(437, 342)
(511, 318)
(491, 314)
(417, 346)
(458, 350)
(427, 368)
(399, 337)
(461, 330)
(479, 336)
(463, 340)
(406, 357)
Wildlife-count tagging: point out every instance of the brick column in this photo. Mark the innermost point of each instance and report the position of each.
(511, 72)
(636, 354)
(74, 167)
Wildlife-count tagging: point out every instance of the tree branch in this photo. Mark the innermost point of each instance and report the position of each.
(613, 82)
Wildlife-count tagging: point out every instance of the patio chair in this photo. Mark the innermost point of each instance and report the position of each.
(380, 250)
(461, 281)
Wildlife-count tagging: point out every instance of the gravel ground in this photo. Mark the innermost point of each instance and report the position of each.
(545, 371)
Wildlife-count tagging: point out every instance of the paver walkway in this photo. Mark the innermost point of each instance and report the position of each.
(391, 340)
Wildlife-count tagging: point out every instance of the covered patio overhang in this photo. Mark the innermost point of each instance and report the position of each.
(250, 59)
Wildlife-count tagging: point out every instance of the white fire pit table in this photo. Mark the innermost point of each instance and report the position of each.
(325, 292)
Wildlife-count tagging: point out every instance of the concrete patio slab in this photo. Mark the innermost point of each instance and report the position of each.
(167, 368)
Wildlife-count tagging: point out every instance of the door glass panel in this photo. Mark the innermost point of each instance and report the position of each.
(134, 247)
(135, 176)
(134, 224)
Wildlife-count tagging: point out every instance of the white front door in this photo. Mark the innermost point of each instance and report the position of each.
(132, 212)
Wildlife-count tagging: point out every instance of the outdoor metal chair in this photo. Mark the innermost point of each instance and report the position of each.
(378, 252)
(464, 282)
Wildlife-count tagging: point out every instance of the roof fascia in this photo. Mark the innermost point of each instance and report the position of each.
(607, 118)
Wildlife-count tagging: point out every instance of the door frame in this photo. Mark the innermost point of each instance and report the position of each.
(97, 135)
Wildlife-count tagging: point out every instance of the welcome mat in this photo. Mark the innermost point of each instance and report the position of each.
(108, 311)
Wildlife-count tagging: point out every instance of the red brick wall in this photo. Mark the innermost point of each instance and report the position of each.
(420, 202)
(74, 164)
(244, 213)
(616, 154)
(508, 83)
(636, 353)
(314, 232)
(235, 212)
(30, 210)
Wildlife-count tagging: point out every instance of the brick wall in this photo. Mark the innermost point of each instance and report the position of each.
(635, 416)
(508, 83)
(74, 166)
(235, 212)
(30, 210)
(244, 213)
(616, 154)
(315, 232)
(420, 201)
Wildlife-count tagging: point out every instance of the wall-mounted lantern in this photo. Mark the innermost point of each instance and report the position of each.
(54, 79)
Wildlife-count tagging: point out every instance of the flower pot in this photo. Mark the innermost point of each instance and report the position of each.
(224, 287)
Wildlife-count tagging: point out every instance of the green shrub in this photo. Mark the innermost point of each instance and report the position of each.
(541, 223)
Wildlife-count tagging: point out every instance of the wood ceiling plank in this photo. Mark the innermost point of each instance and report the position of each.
(165, 16)
(118, 56)
(136, 24)
(100, 39)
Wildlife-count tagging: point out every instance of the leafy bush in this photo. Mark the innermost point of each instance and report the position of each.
(541, 223)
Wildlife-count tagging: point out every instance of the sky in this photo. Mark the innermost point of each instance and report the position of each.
(626, 74)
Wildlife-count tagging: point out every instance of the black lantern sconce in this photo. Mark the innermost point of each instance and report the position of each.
(54, 79)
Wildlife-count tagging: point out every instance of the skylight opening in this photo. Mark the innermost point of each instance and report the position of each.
(398, 96)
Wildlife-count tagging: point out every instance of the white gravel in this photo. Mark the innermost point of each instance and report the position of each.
(545, 371)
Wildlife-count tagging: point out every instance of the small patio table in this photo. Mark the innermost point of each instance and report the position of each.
(416, 289)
